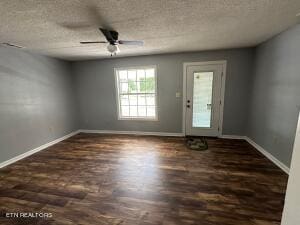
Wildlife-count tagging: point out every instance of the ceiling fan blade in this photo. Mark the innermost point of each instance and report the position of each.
(76, 26)
(96, 17)
(110, 35)
(92, 19)
(92, 42)
(140, 43)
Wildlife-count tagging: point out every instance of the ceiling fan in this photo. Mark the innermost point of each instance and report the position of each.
(113, 41)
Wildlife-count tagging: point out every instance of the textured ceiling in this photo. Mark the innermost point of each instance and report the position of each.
(55, 27)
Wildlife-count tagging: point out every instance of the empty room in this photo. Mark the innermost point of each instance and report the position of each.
(149, 112)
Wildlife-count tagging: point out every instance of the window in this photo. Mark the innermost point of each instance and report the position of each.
(136, 91)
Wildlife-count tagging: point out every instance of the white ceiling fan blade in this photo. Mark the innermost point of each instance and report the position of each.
(140, 43)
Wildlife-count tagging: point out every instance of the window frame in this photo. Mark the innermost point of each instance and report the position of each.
(118, 102)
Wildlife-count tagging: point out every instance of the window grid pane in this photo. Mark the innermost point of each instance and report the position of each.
(137, 93)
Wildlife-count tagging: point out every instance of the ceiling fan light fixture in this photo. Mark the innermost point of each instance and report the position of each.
(113, 49)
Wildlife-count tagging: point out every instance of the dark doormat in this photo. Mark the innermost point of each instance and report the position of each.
(196, 143)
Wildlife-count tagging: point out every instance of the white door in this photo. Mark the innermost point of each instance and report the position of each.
(203, 99)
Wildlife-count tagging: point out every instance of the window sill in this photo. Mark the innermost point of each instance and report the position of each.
(138, 119)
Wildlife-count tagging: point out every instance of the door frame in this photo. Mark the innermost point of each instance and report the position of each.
(185, 65)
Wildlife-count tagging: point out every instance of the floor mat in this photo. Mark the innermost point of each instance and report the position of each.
(197, 143)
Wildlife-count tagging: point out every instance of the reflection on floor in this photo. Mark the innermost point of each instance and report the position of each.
(142, 180)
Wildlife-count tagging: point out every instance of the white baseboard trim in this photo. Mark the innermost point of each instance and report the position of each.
(268, 155)
(260, 149)
(28, 153)
(133, 133)
(233, 137)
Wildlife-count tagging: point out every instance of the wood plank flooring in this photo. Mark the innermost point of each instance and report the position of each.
(98, 179)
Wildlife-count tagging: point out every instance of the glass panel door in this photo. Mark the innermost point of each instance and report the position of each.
(202, 99)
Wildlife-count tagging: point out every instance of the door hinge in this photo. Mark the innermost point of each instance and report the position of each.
(218, 128)
(220, 102)
(222, 74)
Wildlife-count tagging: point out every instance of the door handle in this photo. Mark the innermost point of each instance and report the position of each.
(188, 106)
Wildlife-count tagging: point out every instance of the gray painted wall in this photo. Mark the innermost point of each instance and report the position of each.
(37, 103)
(39, 95)
(275, 97)
(97, 98)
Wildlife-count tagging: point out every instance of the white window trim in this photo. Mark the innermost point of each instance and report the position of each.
(118, 102)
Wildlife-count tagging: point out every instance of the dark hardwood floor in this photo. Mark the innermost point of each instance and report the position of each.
(141, 180)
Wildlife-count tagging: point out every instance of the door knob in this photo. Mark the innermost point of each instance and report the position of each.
(188, 106)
